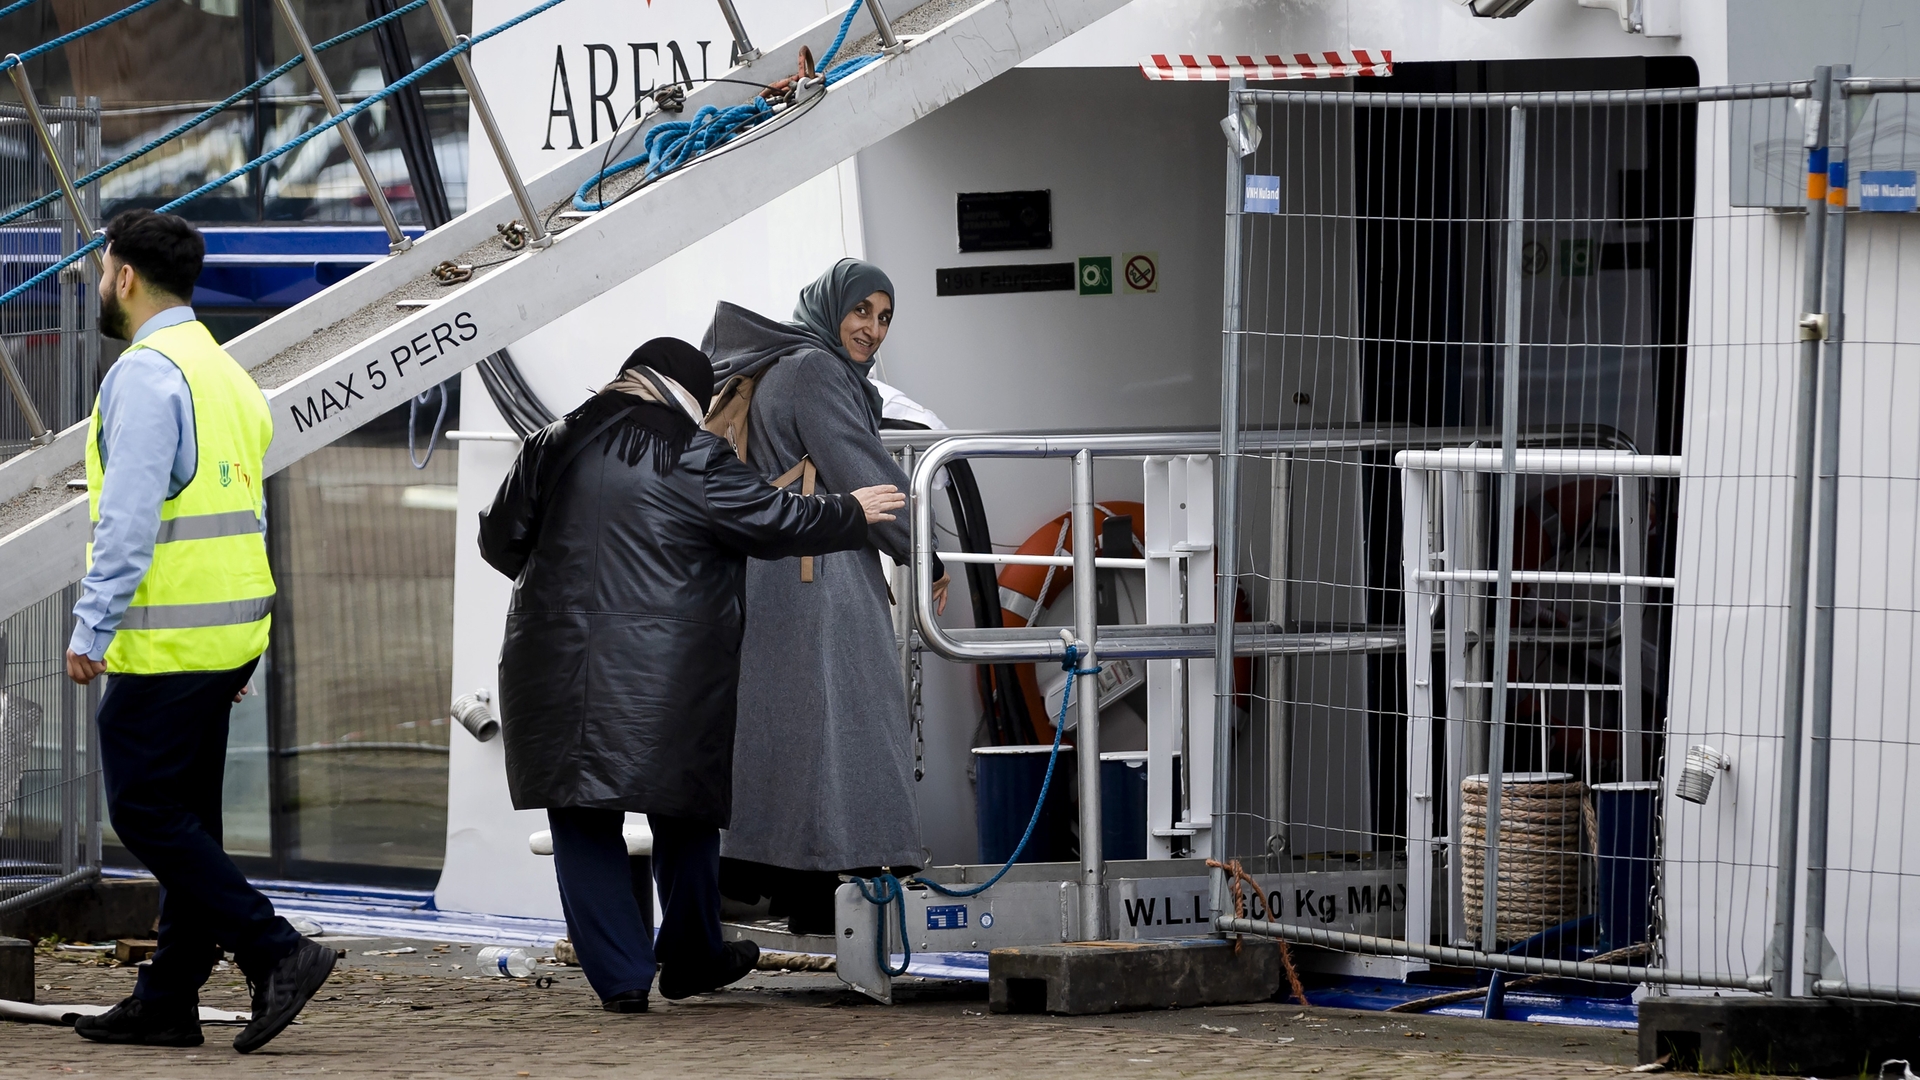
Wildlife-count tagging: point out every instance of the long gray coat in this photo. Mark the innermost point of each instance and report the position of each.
(823, 752)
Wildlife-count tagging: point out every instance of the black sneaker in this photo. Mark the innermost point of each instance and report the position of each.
(284, 992)
(633, 1001)
(144, 1023)
(681, 980)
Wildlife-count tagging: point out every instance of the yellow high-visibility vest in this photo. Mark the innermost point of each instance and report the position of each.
(204, 603)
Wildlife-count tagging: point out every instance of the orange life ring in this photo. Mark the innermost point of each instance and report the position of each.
(1025, 591)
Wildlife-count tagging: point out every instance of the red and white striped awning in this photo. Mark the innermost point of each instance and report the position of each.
(1167, 67)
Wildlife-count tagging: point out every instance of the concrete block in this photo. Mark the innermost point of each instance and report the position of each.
(96, 911)
(1123, 976)
(16, 969)
(1797, 1036)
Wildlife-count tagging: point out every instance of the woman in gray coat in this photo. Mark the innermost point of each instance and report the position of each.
(823, 758)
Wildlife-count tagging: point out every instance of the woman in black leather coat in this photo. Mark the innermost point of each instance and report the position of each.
(626, 529)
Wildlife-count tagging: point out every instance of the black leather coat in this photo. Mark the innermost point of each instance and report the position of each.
(621, 661)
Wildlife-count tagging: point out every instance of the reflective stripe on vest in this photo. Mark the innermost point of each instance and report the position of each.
(191, 616)
(202, 526)
(204, 603)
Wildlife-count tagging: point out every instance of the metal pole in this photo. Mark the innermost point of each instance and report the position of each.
(1279, 666)
(537, 234)
(25, 88)
(1093, 892)
(744, 48)
(42, 434)
(1503, 589)
(397, 241)
(1226, 512)
(1815, 950)
(1792, 718)
(884, 27)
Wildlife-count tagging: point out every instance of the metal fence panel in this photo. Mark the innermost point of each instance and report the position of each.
(1589, 578)
(49, 767)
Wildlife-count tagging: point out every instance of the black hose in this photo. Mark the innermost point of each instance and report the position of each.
(1007, 714)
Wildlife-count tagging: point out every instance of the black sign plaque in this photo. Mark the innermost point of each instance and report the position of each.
(1019, 278)
(1006, 220)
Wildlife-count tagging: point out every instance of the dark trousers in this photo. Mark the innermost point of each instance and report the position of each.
(603, 906)
(163, 749)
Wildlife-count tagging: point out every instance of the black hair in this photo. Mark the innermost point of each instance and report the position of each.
(162, 248)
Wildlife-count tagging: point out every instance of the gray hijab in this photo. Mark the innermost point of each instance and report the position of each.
(829, 299)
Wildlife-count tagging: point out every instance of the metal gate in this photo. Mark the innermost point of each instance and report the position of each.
(1578, 339)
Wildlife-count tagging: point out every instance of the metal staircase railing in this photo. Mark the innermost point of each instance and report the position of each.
(368, 343)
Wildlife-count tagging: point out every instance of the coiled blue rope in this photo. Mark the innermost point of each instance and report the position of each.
(293, 144)
(208, 114)
(887, 890)
(40, 50)
(671, 144)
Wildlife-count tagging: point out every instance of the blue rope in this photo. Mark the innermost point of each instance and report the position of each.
(40, 50)
(206, 115)
(887, 889)
(671, 144)
(16, 6)
(293, 144)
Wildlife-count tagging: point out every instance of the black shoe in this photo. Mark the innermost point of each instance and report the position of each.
(681, 980)
(284, 992)
(144, 1023)
(633, 1001)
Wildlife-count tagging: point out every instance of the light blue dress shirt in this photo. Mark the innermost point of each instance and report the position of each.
(148, 455)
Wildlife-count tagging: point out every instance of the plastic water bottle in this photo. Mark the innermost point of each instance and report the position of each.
(504, 961)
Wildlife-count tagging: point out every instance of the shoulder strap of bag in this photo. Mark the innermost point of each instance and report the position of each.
(804, 472)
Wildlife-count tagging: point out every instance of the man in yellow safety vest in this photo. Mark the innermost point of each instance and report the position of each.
(175, 605)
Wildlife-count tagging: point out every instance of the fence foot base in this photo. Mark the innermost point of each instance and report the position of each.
(94, 911)
(1116, 976)
(16, 970)
(1796, 1036)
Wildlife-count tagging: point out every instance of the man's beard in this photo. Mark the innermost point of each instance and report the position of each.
(113, 319)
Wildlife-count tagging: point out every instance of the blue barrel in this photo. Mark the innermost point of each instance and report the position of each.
(1008, 780)
(1123, 804)
(1625, 854)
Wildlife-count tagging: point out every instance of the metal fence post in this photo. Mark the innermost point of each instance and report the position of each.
(537, 234)
(1792, 730)
(397, 241)
(1093, 891)
(1226, 509)
(1817, 956)
(1509, 495)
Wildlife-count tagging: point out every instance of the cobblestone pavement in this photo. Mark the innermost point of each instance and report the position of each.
(417, 1015)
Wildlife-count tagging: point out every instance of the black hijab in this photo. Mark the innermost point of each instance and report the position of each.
(663, 429)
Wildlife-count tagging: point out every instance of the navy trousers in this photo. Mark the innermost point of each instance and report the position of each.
(163, 749)
(603, 912)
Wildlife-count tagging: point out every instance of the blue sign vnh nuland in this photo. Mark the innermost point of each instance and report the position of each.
(1263, 195)
(947, 917)
(1889, 191)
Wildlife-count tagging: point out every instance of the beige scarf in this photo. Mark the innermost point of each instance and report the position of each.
(635, 381)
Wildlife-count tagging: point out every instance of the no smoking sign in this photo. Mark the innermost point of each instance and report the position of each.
(1140, 271)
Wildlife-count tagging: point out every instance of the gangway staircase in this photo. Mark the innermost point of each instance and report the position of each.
(366, 344)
